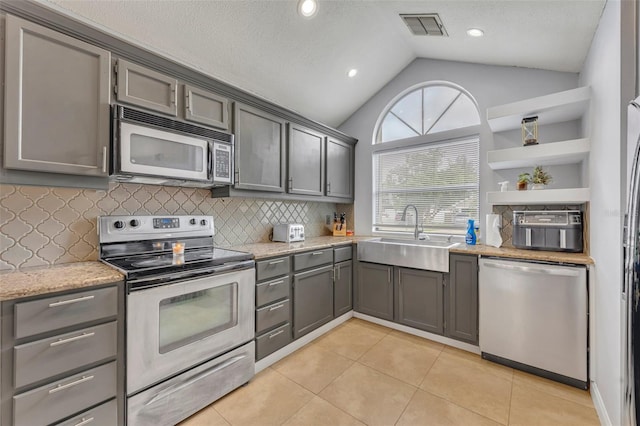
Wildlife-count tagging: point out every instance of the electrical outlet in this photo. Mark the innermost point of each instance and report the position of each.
(328, 219)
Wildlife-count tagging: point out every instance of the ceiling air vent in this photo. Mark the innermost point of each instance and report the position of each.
(425, 24)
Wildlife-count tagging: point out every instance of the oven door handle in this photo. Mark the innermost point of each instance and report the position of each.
(200, 376)
(214, 270)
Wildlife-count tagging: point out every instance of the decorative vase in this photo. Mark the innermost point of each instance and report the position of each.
(521, 186)
(537, 186)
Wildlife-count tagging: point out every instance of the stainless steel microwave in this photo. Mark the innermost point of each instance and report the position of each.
(152, 149)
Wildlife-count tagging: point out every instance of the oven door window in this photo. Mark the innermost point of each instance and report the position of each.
(156, 152)
(193, 316)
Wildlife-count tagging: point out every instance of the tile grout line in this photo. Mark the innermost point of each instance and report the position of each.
(510, 399)
(406, 406)
(460, 406)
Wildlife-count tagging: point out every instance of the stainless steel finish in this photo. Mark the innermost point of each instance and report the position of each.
(70, 301)
(555, 230)
(563, 238)
(528, 237)
(61, 387)
(288, 232)
(71, 339)
(104, 159)
(145, 231)
(418, 254)
(535, 314)
(416, 233)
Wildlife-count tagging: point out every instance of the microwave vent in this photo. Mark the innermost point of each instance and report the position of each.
(424, 24)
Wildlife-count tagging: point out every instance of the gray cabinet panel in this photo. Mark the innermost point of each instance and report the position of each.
(339, 169)
(312, 259)
(271, 291)
(146, 88)
(260, 149)
(103, 415)
(306, 161)
(57, 99)
(342, 254)
(419, 299)
(273, 340)
(374, 290)
(50, 403)
(271, 268)
(272, 315)
(312, 300)
(342, 288)
(48, 357)
(201, 106)
(462, 298)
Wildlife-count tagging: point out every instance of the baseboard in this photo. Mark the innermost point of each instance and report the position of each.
(599, 404)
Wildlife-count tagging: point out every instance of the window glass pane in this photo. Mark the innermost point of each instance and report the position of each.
(409, 110)
(436, 101)
(393, 129)
(463, 113)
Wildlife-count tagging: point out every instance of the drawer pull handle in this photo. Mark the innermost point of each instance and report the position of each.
(84, 421)
(276, 283)
(71, 339)
(277, 333)
(275, 262)
(70, 385)
(273, 308)
(316, 253)
(70, 301)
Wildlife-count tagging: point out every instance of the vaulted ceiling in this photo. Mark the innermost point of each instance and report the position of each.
(265, 47)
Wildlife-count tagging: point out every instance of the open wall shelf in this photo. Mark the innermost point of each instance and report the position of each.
(547, 154)
(540, 197)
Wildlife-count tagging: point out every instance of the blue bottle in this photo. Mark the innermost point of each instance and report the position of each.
(471, 234)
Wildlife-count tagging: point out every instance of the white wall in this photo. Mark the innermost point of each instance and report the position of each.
(490, 86)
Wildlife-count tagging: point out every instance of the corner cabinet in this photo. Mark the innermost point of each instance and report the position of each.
(56, 114)
(461, 298)
(306, 161)
(374, 290)
(340, 169)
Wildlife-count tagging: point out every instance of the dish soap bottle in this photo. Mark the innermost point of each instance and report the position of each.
(470, 238)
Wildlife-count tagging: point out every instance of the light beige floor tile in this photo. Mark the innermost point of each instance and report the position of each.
(351, 340)
(465, 357)
(319, 412)
(469, 385)
(313, 367)
(206, 417)
(418, 340)
(428, 409)
(570, 393)
(530, 407)
(368, 395)
(369, 324)
(401, 359)
(269, 399)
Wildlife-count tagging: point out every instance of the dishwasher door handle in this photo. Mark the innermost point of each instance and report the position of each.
(534, 270)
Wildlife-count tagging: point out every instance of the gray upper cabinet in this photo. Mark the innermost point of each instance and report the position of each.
(339, 169)
(260, 149)
(419, 299)
(462, 298)
(140, 86)
(306, 161)
(204, 107)
(374, 290)
(56, 113)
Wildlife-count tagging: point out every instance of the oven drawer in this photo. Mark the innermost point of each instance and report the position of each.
(48, 357)
(50, 403)
(266, 269)
(102, 415)
(272, 290)
(273, 340)
(52, 313)
(272, 315)
(312, 259)
(342, 254)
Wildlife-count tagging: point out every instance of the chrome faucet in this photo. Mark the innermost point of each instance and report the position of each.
(416, 233)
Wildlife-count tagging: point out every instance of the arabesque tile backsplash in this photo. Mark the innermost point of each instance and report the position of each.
(42, 226)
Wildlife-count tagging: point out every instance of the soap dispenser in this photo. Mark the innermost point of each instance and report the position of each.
(470, 238)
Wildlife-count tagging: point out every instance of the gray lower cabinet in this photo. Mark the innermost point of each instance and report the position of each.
(374, 290)
(312, 300)
(461, 298)
(56, 115)
(140, 86)
(306, 161)
(342, 288)
(418, 298)
(339, 169)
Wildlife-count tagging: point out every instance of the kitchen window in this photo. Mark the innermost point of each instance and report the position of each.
(426, 153)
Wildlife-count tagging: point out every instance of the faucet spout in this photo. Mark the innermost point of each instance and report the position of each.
(416, 233)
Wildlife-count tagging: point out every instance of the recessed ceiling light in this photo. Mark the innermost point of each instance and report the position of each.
(307, 8)
(352, 72)
(475, 32)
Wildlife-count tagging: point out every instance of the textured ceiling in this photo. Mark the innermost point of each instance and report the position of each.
(264, 47)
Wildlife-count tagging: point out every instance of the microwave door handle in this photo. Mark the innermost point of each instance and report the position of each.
(210, 162)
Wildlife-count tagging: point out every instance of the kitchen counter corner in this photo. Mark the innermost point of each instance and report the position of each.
(271, 249)
(514, 253)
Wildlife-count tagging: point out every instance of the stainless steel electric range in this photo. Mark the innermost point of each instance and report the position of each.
(190, 313)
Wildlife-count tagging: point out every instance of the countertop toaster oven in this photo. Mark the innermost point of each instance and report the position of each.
(288, 232)
(554, 230)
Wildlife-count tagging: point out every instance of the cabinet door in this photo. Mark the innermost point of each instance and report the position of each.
(374, 290)
(201, 106)
(462, 298)
(339, 169)
(146, 88)
(57, 102)
(312, 300)
(260, 150)
(306, 161)
(342, 301)
(419, 299)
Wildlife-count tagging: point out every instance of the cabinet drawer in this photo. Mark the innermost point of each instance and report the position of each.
(266, 269)
(312, 258)
(102, 415)
(48, 357)
(272, 291)
(272, 315)
(50, 403)
(273, 340)
(56, 312)
(342, 254)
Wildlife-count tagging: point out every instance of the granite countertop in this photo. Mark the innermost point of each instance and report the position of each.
(68, 276)
(264, 250)
(514, 253)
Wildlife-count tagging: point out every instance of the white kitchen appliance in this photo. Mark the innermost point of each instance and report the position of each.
(288, 232)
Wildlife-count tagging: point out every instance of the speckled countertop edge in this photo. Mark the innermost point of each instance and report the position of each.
(514, 253)
(271, 249)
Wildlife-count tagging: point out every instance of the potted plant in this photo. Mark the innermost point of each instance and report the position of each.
(523, 180)
(540, 178)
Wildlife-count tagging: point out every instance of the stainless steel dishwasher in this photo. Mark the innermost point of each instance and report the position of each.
(533, 317)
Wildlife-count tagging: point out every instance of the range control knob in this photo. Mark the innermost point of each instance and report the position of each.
(118, 224)
(134, 222)
(192, 221)
(203, 222)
